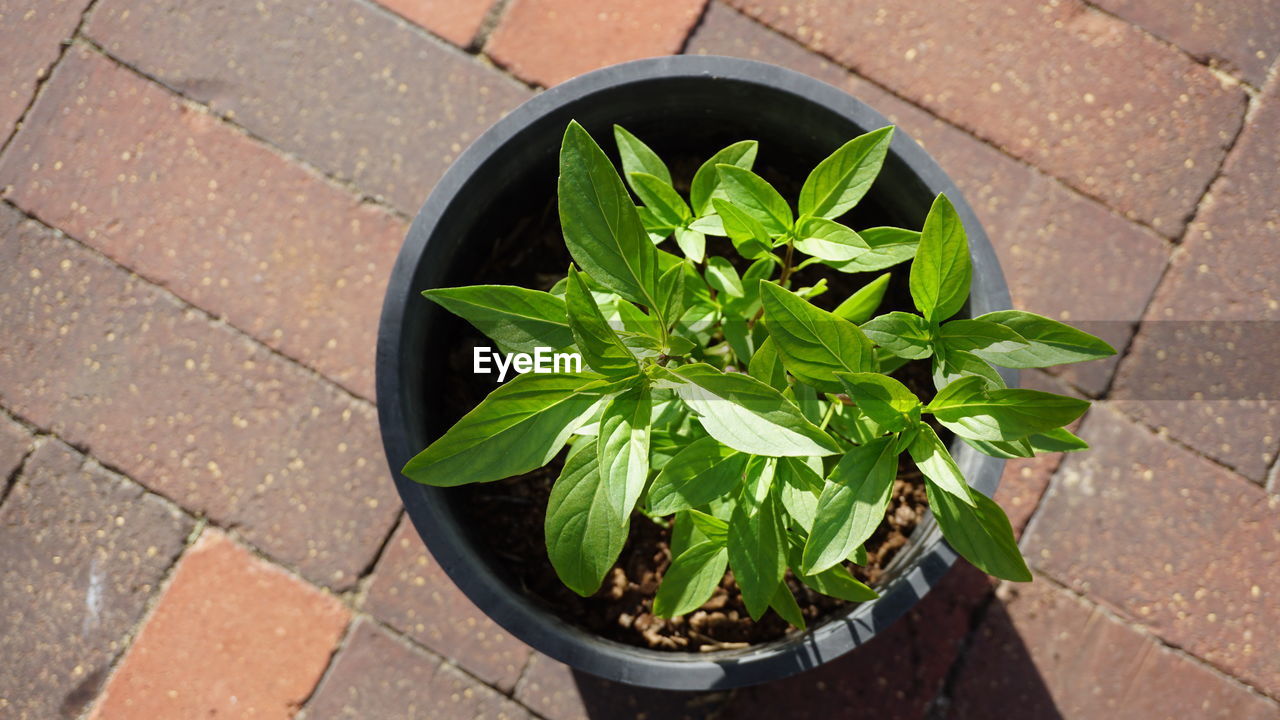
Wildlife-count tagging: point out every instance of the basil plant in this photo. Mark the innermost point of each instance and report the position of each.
(764, 430)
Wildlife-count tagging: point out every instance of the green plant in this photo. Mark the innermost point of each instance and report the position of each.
(790, 464)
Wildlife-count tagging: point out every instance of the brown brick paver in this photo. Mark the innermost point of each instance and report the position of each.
(83, 551)
(354, 91)
(30, 33)
(224, 222)
(1044, 654)
(1212, 383)
(457, 21)
(232, 636)
(1037, 226)
(557, 692)
(549, 41)
(894, 677)
(376, 675)
(1085, 96)
(15, 443)
(191, 409)
(1239, 36)
(413, 595)
(1169, 539)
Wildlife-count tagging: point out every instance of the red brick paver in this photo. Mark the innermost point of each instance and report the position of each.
(1044, 654)
(83, 551)
(549, 41)
(232, 636)
(1239, 36)
(1212, 383)
(1089, 98)
(1037, 226)
(31, 33)
(15, 443)
(222, 221)
(1169, 539)
(412, 594)
(190, 408)
(457, 21)
(353, 91)
(376, 675)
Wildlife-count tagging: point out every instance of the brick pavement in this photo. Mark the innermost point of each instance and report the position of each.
(201, 202)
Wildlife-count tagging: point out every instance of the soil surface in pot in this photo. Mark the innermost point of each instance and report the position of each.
(505, 518)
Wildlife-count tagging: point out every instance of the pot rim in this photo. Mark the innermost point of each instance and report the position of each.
(927, 552)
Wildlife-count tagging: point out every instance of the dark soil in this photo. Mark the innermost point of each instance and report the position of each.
(506, 518)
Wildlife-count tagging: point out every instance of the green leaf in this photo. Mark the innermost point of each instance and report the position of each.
(723, 277)
(814, 344)
(885, 400)
(747, 305)
(660, 198)
(601, 226)
(971, 410)
(852, 505)
(1049, 342)
(701, 472)
(840, 181)
(657, 229)
(980, 531)
(516, 318)
(941, 272)
(738, 334)
(711, 527)
(888, 247)
(1001, 449)
(709, 225)
(706, 182)
(519, 427)
(584, 533)
(784, 603)
(950, 365)
(754, 195)
(937, 465)
(903, 334)
(860, 306)
(757, 553)
(746, 414)
(637, 157)
(623, 446)
(602, 350)
(840, 583)
(691, 580)
(684, 534)
(692, 243)
(828, 240)
(748, 235)
(800, 485)
(966, 335)
(671, 291)
(1057, 440)
(766, 366)
(835, 581)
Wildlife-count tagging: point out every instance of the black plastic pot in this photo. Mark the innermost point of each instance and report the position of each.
(671, 102)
